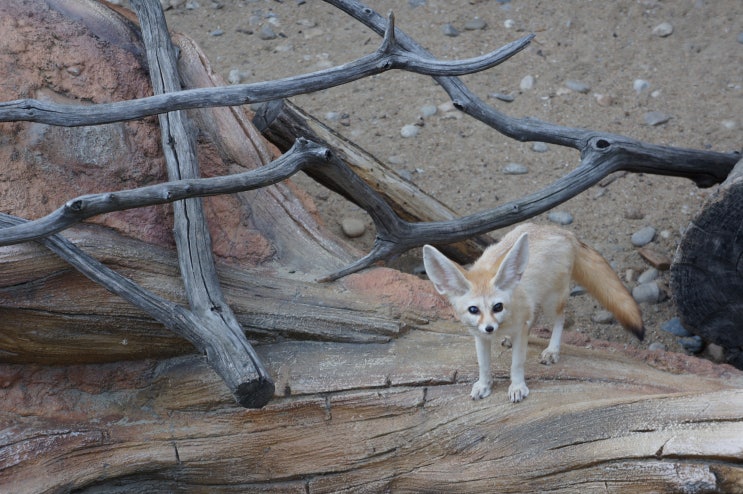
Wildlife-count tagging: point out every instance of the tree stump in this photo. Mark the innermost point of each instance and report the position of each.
(707, 274)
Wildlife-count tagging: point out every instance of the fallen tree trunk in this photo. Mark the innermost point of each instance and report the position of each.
(377, 417)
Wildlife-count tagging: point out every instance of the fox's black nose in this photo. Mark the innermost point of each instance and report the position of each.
(489, 329)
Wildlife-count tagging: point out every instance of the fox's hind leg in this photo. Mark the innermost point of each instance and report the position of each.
(555, 310)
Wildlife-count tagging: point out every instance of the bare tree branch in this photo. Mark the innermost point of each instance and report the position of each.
(390, 55)
(226, 347)
(601, 154)
(302, 155)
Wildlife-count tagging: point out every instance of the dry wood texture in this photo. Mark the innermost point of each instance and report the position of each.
(371, 377)
(379, 417)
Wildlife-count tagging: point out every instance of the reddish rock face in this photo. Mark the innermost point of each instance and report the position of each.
(78, 52)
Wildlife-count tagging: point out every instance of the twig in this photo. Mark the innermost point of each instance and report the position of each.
(301, 156)
(390, 55)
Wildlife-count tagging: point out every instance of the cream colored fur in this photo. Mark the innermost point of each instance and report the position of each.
(530, 269)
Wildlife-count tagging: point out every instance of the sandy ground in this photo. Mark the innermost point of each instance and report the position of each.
(694, 75)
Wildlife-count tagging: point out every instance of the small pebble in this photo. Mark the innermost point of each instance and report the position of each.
(510, 24)
(332, 116)
(604, 99)
(475, 24)
(428, 111)
(654, 118)
(603, 317)
(740, 37)
(416, 3)
(726, 124)
(266, 33)
(540, 147)
(578, 290)
(235, 76)
(560, 217)
(643, 236)
(657, 346)
(450, 31)
(508, 98)
(527, 83)
(675, 327)
(640, 85)
(352, 227)
(515, 169)
(663, 29)
(216, 32)
(577, 86)
(648, 276)
(648, 293)
(409, 130)
(692, 344)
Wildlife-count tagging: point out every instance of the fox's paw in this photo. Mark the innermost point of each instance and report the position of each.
(549, 356)
(517, 392)
(480, 390)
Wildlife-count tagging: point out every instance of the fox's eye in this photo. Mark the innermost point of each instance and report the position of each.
(473, 309)
(498, 307)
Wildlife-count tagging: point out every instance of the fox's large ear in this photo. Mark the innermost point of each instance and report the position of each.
(446, 276)
(513, 265)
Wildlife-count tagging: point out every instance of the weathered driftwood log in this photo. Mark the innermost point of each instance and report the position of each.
(706, 276)
(380, 417)
(282, 123)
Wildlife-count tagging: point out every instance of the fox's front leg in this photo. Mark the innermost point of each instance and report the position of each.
(481, 388)
(517, 391)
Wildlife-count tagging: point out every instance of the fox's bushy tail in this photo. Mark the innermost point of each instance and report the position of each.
(593, 273)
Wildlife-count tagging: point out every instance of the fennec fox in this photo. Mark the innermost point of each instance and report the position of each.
(530, 268)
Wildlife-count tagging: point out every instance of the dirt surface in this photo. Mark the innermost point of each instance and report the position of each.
(694, 75)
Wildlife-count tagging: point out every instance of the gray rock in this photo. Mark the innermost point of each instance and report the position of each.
(450, 30)
(428, 110)
(648, 276)
(475, 24)
(577, 86)
(577, 291)
(643, 236)
(352, 227)
(657, 346)
(216, 32)
(603, 317)
(508, 98)
(647, 293)
(692, 344)
(416, 3)
(560, 217)
(540, 147)
(740, 37)
(654, 118)
(527, 83)
(663, 29)
(515, 169)
(674, 327)
(640, 85)
(266, 33)
(409, 130)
